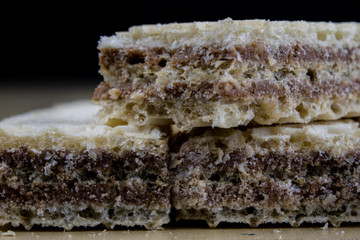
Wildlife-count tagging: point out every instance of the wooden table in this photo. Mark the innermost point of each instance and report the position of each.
(15, 99)
(234, 233)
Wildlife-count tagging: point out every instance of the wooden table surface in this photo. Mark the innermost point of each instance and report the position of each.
(199, 233)
(15, 100)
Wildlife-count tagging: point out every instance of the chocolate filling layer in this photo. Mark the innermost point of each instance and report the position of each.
(139, 178)
(132, 192)
(64, 164)
(274, 179)
(256, 51)
(228, 90)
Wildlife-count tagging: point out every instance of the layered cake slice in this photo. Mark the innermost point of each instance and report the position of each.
(230, 73)
(59, 169)
(279, 174)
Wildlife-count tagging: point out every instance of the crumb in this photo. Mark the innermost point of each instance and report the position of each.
(69, 236)
(9, 233)
(147, 235)
(100, 233)
(91, 235)
(114, 93)
(342, 232)
(325, 227)
(277, 231)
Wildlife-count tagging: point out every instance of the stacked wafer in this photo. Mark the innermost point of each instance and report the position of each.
(232, 74)
(265, 130)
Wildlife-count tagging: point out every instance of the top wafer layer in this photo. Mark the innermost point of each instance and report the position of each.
(228, 32)
(230, 73)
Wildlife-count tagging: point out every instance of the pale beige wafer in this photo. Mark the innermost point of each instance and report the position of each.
(59, 169)
(230, 73)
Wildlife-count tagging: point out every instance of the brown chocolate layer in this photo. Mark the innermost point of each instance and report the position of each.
(133, 192)
(63, 164)
(307, 86)
(256, 51)
(139, 178)
(263, 179)
(227, 90)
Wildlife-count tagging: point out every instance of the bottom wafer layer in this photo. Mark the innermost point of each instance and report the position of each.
(67, 216)
(253, 217)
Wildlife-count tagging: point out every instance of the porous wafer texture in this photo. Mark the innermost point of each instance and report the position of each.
(279, 174)
(59, 169)
(230, 73)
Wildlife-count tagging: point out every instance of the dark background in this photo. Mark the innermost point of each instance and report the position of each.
(57, 42)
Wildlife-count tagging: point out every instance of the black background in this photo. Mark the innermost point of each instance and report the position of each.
(58, 41)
